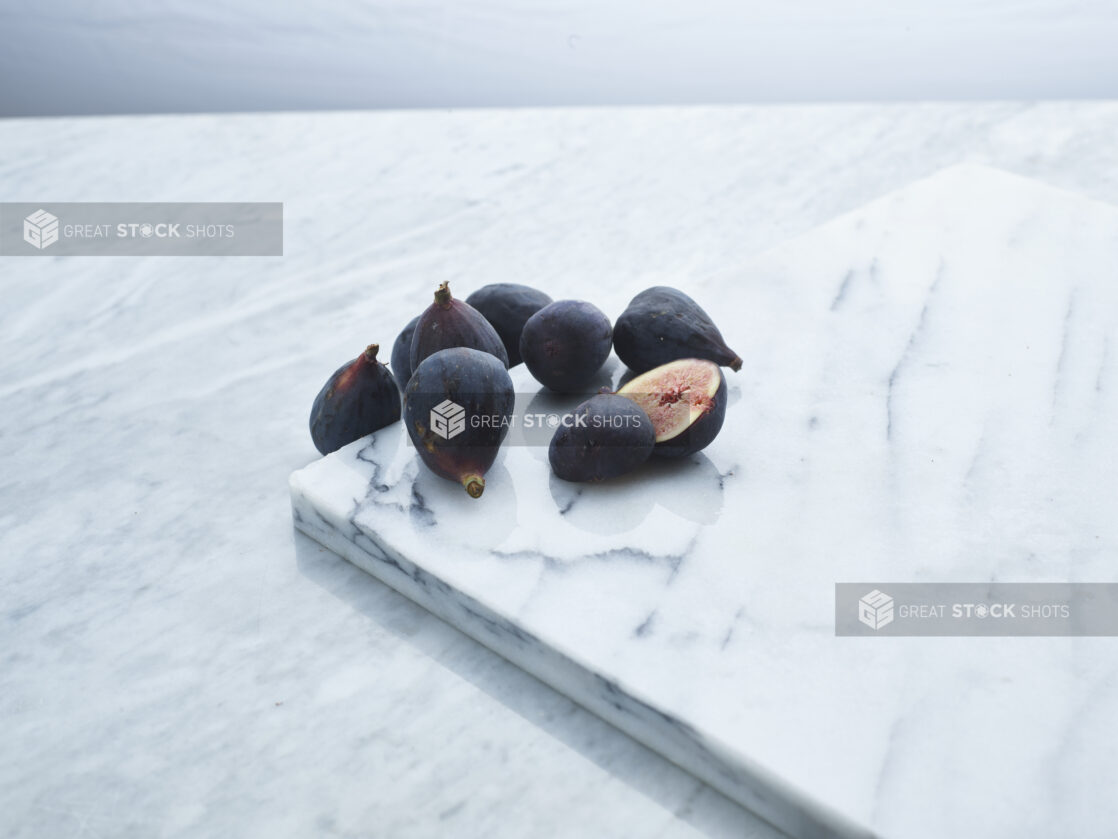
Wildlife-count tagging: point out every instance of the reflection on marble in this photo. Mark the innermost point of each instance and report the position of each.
(930, 393)
(154, 608)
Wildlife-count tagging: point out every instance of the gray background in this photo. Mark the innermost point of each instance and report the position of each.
(114, 56)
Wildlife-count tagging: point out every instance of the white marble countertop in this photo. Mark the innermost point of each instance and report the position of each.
(175, 661)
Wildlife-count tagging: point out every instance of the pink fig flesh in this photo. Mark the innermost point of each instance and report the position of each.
(686, 401)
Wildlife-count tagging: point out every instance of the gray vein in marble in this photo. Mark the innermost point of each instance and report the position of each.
(1065, 337)
(1103, 364)
(909, 348)
(844, 287)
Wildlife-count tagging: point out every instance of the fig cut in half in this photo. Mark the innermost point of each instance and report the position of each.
(686, 401)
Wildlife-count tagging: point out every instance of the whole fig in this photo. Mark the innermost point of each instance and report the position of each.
(457, 409)
(401, 354)
(451, 323)
(565, 344)
(663, 324)
(507, 307)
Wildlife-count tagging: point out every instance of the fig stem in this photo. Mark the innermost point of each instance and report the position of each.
(371, 352)
(474, 484)
(442, 295)
(735, 365)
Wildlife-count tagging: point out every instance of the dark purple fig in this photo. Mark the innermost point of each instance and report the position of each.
(507, 307)
(663, 324)
(401, 354)
(565, 344)
(358, 399)
(686, 401)
(451, 323)
(457, 409)
(606, 436)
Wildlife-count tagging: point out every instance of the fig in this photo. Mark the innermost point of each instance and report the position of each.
(507, 307)
(457, 409)
(360, 398)
(401, 354)
(565, 343)
(451, 323)
(663, 324)
(606, 436)
(686, 401)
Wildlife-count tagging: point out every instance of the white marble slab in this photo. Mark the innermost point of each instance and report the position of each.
(930, 393)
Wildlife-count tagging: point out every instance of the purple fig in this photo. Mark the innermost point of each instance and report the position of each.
(401, 354)
(449, 323)
(565, 344)
(686, 401)
(360, 398)
(457, 409)
(606, 436)
(507, 306)
(663, 324)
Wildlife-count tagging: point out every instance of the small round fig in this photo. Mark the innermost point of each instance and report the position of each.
(606, 436)
(401, 354)
(686, 401)
(360, 398)
(449, 323)
(457, 410)
(507, 307)
(565, 344)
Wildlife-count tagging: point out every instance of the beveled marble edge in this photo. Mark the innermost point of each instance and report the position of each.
(715, 763)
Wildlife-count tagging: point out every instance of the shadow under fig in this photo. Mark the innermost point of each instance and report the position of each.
(690, 487)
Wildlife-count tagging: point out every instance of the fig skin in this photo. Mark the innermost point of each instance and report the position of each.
(478, 382)
(507, 307)
(451, 323)
(614, 437)
(565, 344)
(360, 398)
(700, 433)
(400, 363)
(663, 324)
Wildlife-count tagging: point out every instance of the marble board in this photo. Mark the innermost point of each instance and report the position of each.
(930, 393)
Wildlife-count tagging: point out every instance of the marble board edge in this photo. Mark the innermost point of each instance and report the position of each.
(714, 763)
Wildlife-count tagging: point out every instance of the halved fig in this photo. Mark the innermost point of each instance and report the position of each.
(606, 436)
(686, 401)
(360, 398)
